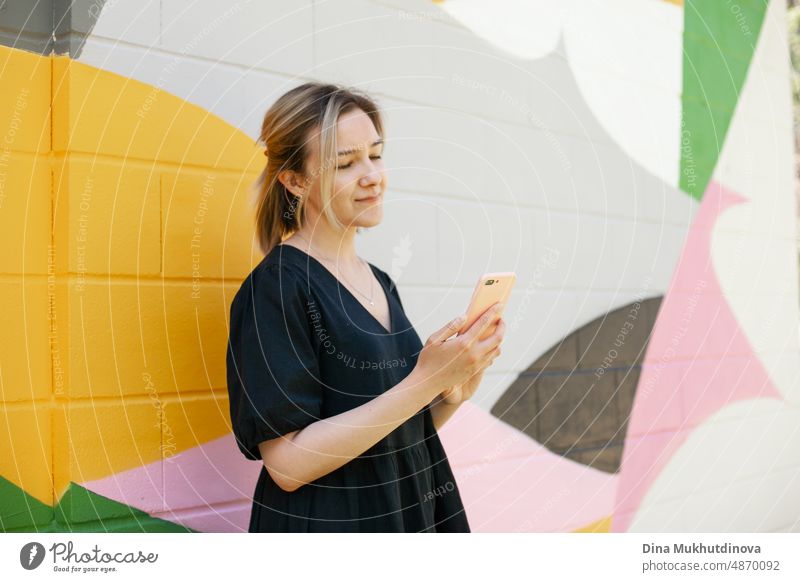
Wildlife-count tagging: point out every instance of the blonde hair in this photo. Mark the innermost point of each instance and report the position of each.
(285, 133)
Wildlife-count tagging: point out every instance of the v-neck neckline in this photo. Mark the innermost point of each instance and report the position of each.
(389, 331)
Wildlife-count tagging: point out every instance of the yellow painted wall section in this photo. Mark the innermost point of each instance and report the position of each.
(139, 203)
(600, 526)
(25, 202)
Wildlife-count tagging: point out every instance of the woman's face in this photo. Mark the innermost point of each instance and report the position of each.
(359, 173)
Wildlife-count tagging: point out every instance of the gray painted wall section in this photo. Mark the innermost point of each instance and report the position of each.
(44, 26)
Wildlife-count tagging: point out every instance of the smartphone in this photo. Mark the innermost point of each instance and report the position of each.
(491, 288)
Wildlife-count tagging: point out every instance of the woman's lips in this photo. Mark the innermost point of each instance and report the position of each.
(372, 199)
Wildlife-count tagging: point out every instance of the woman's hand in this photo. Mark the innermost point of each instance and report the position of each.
(443, 364)
(461, 392)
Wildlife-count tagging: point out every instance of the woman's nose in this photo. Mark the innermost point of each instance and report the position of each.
(373, 177)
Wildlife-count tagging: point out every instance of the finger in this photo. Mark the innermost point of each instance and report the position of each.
(488, 360)
(483, 322)
(495, 339)
(448, 330)
(450, 390)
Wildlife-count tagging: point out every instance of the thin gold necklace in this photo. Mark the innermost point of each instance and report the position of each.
(361, 261)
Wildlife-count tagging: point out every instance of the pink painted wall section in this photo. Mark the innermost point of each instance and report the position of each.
(197, 485)
(511, 483)
(697, 362)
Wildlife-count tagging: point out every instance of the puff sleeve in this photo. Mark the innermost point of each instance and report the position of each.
(272, 367)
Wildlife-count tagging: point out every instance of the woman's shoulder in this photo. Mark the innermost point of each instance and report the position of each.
(391, 285)
(385, 276)
(274, 277)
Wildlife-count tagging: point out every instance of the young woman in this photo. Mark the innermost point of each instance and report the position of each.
(329, 384)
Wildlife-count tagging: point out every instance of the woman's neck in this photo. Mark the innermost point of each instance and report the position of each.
(328, 245)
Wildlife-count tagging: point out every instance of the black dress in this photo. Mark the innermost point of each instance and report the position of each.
(303, 348)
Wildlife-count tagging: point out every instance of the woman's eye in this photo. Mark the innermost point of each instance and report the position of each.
(347, 165)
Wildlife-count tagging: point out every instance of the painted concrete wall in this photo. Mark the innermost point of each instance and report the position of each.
(630, 160)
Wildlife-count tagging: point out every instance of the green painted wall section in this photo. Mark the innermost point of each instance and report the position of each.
(79, 510)
(20, 510)
(719, 39)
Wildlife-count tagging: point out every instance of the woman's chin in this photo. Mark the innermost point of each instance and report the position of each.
(368, 218)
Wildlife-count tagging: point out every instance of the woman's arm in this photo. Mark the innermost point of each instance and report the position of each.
(441, 411)
(305, 455)
(444, 406)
